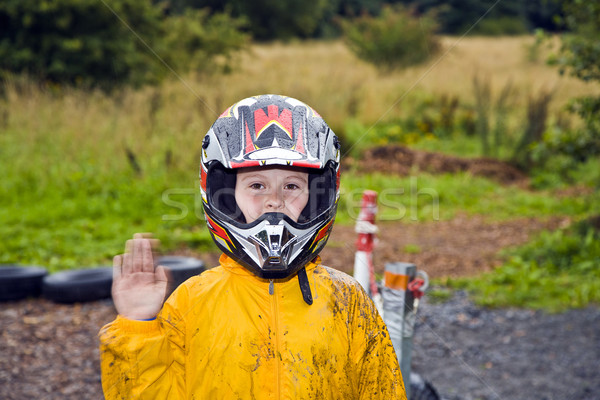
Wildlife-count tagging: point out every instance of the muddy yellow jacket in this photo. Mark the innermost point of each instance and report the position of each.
(227, 334)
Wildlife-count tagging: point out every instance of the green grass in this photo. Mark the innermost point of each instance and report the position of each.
(440, 197)
(83, 220)
(460, 146)
(412, 249)
(74, 214)
(439, 294)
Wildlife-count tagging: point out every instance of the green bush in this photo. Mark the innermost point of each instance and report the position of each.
(108, 43)
(508, 25)
(268, 19)
(580, 56)
(79, 42)
(395, 39)
(197, 41)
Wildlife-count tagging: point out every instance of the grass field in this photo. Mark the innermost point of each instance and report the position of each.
(83, 170)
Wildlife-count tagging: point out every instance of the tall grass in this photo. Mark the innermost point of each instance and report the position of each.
(323, 74)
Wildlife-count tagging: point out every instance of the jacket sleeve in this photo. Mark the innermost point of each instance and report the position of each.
(379, 372)
(145, 359)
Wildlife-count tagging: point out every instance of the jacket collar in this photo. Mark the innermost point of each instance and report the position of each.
(236, 268)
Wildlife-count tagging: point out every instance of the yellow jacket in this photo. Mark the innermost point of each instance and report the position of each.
(222, 335)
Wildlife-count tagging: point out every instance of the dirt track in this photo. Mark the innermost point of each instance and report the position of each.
(50, 351)
(470, 353)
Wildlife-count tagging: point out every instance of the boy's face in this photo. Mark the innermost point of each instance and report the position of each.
(271, 189)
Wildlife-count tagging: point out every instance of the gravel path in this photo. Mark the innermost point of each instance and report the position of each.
(470, 353)
(50, 351)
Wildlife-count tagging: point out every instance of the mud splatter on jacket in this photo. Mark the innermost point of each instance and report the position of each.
(222, 335)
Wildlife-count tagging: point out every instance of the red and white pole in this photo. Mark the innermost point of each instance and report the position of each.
(364, 271)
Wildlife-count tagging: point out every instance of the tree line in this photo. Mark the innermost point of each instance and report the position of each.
(320, 18)
(107, 43)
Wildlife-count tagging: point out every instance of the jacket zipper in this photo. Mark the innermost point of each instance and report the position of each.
(277, 354)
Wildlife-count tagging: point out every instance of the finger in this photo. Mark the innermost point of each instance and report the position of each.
(163, 274)
(142, 235)
(129, 246)
(117, 267)
(126, 267)
(137, 255)
(147, 259)
(155, 243)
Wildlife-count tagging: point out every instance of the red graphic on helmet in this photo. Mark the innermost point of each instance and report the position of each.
(322, 234)
(299, 147)
(262, 120)
(219, 232)
(273, 128)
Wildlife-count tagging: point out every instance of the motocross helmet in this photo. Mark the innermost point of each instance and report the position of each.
(261, 131)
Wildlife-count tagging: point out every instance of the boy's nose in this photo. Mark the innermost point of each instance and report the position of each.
(274, 201)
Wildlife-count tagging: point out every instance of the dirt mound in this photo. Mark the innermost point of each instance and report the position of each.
(402, 160)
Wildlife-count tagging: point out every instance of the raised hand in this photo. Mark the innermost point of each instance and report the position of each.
(138, 289)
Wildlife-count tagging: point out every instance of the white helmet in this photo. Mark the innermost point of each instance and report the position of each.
(264, 131)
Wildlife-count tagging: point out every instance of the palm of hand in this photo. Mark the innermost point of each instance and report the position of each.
(138, 289)
(139, 295)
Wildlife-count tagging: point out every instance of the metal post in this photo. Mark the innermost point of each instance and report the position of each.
(399, 314)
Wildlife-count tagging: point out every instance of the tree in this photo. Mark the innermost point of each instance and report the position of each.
(199, 42)
(580, 56)
(503, 17)
(268, 19)
(79, 41)
(111, 42)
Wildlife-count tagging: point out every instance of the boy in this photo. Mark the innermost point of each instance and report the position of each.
(270, 321)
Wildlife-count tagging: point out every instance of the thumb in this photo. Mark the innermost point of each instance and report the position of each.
(163, 275)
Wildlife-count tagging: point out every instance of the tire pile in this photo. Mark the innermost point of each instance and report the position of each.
(83, 285)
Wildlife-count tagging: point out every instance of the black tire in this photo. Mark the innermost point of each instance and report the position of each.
(420, 389)
(181, 268)
(19, 281)
(78, 285)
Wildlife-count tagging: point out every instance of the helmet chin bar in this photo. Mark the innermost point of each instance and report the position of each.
(273, 242)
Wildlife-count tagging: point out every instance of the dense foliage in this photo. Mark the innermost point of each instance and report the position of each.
(394, 39)
(490, 17)
(563, 147)
(580, 55)
(112, 42)
(268, 19)
(293, 18)
(108, 43)
(77, 41)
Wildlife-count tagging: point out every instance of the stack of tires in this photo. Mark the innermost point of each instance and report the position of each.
(74, 286)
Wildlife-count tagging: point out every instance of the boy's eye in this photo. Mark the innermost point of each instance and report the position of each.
(256, 186)
(292, 186)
